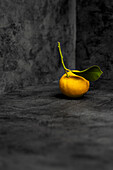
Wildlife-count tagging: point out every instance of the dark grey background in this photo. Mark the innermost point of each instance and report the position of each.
(95, 35)
(29, 32)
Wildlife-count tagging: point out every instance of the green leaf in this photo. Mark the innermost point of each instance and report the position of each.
(91, 74)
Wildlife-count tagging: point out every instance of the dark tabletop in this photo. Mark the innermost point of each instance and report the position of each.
(40, 129)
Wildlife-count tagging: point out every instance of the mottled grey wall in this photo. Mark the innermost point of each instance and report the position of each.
(95, 35)
(29, 31)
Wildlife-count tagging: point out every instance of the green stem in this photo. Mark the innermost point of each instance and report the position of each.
(66, 70)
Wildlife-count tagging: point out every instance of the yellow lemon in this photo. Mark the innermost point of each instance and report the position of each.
(74, 85)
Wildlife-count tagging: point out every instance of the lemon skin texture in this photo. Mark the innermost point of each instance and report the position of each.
(74, 85)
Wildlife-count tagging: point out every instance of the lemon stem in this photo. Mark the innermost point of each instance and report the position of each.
(62, 61)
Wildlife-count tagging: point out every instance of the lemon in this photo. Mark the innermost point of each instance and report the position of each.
(73, 85)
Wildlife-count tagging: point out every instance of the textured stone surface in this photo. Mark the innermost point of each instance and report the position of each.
(42, 129)
(29, 31)
(95, 35)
